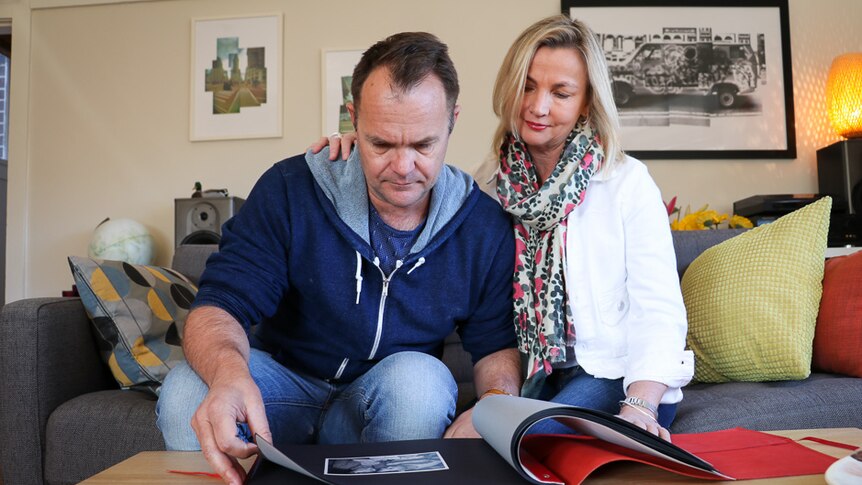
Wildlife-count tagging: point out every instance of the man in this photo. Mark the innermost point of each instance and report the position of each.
(355, 272)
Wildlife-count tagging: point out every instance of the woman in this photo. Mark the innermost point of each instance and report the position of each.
(598, 308)
(599, 311)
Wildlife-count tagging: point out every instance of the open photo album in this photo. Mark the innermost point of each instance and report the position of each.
(507, 452)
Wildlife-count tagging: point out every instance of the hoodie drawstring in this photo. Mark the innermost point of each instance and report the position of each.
(419, 263)
(398, 264)
(358, 276)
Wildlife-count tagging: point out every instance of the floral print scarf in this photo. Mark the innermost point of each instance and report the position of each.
(543, 319)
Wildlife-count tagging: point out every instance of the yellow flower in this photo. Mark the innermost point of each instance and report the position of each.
(690, 222)
(704, 218)
(710, 219)
(738, 222)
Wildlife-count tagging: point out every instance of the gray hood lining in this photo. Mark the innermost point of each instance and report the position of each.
(343, 183)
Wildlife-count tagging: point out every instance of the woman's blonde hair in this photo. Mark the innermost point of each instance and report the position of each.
(558, 31)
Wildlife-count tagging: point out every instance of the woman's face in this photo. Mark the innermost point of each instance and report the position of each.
(555, 96)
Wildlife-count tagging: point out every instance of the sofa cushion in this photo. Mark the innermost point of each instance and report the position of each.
(688, 245)
(138, 312)
(94, 431)
(838, 335)
(752, 300)
(460, 364)
(820, 401)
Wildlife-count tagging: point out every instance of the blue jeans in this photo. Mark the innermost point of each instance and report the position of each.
(408, 395)
(575, 387)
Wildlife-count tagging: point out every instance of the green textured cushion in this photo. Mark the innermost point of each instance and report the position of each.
(138, 312)
(752, 300)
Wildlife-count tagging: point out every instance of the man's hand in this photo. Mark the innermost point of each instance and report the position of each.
(217, 349)
(235, 401)
(462, 427)
(338, 144)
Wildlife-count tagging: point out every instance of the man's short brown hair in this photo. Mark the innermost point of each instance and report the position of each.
(410, 57)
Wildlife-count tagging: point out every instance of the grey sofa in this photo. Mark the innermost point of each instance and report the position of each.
(63, 418)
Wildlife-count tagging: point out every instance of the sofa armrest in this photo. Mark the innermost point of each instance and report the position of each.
(47, 356)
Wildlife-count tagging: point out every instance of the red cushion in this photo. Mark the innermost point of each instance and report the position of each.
(838, 335)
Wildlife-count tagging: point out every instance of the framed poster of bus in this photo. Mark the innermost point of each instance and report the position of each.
(697, 78)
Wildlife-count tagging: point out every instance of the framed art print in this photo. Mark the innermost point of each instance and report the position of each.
(337, 75)
(236, 78)
(697, 78)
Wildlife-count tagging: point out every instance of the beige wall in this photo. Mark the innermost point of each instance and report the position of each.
(101, 100)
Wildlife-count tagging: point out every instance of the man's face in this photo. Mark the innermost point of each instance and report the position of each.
(402, 140)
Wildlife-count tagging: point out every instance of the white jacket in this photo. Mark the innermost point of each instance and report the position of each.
(630, 320)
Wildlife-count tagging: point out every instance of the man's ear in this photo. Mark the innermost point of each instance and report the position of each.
(456, 110)
(350, 109)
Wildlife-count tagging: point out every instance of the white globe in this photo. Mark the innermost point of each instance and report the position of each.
(122, 240)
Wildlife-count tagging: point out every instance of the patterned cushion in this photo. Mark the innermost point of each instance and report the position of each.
(838, 336)
(752, 300)
(138, 313)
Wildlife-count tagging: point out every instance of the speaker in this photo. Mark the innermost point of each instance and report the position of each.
(845, 230)
(839, 175)
(198, 220)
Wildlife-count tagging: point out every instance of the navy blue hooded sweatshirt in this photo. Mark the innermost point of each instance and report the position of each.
(296, 260)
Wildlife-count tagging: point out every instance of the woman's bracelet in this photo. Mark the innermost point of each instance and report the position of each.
(638, 409)
(641, 406)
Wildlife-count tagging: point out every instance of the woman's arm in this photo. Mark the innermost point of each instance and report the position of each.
(657, 363)
(656, 325)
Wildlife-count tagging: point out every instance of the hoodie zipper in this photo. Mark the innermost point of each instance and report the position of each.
(341, 368)
(382, 305)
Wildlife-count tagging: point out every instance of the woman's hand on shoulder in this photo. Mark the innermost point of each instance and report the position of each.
(338, 145)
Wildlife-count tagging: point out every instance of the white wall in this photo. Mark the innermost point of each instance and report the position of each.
(101, 100)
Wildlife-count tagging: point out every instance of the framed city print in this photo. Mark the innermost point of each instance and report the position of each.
(697, 78)
(337, 75)
(236, 78)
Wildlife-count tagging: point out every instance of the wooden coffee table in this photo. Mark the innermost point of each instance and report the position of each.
(151, 467)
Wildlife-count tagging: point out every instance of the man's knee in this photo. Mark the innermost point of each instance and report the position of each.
(180, 396)
(415, 380)
(408, 395)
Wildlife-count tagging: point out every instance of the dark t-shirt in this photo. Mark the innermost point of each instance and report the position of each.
(390, 244)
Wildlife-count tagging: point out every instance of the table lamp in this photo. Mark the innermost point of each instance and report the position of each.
(839, 166)
(844, 95)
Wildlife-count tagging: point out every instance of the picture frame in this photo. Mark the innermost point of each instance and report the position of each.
(337, 72)
(698, 79)
(236, 77)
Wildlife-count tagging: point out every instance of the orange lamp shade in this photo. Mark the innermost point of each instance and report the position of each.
(844, 95)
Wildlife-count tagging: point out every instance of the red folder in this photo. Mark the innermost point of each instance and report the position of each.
(747, 454)
(739, 453)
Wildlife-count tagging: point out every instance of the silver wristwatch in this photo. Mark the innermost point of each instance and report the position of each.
(636, 401)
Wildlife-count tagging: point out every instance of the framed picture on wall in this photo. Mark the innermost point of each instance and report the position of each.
(337, 74)
(697, 78)
(236, 78)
